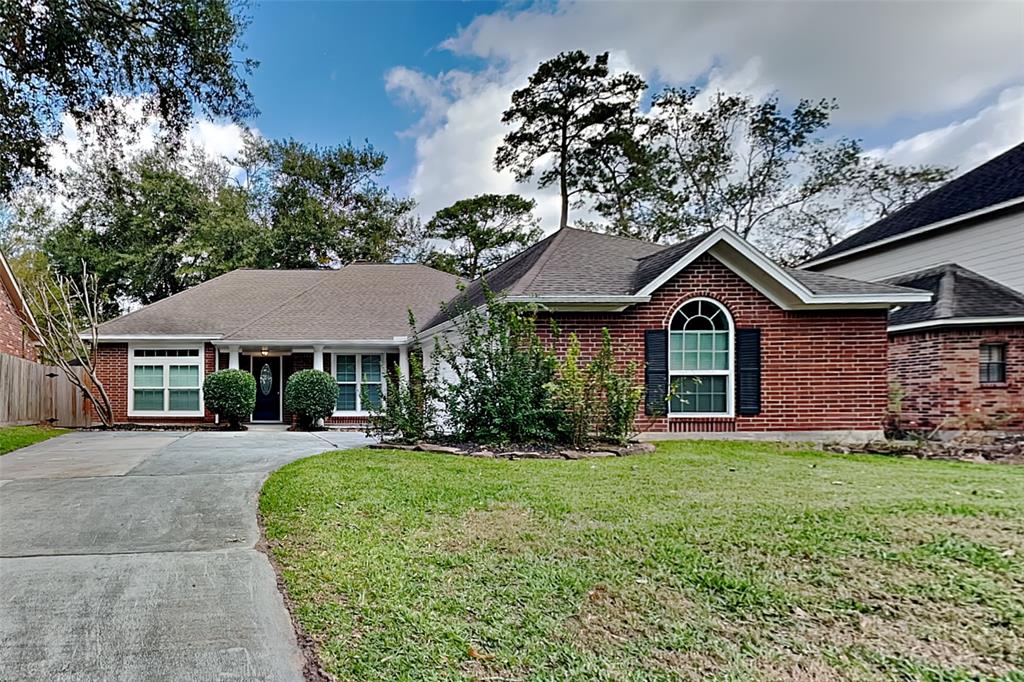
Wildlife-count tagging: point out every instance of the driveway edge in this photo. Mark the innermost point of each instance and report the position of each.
(311, 668)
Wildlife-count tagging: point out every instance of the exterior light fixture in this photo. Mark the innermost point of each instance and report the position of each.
(264, 351)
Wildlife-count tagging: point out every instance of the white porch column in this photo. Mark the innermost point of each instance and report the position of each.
(403, 362)
(318, 358)
(233, 357)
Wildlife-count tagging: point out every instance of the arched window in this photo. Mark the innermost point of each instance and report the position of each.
(700, 359)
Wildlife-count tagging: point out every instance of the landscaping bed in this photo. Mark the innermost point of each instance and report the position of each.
(702, 560)
(529, 451)
(978, 447)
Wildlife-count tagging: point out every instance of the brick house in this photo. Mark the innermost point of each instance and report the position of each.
(724, 339)
(959, 358)
(15, 338)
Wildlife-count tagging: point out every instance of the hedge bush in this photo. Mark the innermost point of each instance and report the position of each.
(311, 395)
(231, 393)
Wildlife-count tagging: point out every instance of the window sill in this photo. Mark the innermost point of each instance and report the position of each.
(702, 415)
(350, 413)
(166, 414)
(994, 384)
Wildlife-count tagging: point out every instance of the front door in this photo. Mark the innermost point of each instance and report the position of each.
(268, 388)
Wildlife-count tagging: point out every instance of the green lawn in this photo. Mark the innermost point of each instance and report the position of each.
(704, 560)
(14, 437)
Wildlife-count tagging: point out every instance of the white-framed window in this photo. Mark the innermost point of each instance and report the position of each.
(360, 378)
(700, 360)
(165, 381)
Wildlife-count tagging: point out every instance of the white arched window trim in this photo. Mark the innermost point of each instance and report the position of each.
(729, 373)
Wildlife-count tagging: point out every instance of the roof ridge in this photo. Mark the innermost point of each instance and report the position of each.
(971, 274)
(618, 236)
(327, 273)
(946, 294)
(531, 275)
(694, 238)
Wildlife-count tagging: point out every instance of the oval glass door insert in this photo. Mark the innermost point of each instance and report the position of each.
(266, 379)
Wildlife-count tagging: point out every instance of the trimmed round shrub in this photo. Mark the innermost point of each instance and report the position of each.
(310, 395)
(231, 393)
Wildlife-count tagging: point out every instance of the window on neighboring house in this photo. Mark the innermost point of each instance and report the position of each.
(993, 363)
(700, 359)
(165, 381)
(360, 381)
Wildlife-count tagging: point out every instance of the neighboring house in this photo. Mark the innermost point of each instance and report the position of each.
(15, 338)
(960, 356)
(724, 339)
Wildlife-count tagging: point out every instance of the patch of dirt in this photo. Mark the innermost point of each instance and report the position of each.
(501, 526)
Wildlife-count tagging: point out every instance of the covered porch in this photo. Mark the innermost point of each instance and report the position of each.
(360, 370)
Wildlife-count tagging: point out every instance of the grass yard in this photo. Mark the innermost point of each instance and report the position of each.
(14, 437)
(704, 560)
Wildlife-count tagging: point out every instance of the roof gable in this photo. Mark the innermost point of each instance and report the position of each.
(991, 185)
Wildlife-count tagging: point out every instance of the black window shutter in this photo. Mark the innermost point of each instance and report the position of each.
(655, 371)
(748, 371)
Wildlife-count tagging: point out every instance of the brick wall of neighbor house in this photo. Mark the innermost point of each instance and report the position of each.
(13, 339)
(940, 373)
(820, 370)
(112, 370)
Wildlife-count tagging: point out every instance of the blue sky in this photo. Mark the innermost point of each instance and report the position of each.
(323, 65)
(426, 82)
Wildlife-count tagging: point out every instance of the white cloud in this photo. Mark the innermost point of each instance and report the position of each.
(880, 60)
(968, 143)
(217, 140)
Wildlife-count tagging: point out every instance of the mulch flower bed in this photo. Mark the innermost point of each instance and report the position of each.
(978, 447)
(521, 451)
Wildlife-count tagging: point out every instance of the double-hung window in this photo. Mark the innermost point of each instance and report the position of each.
(993, 363)
(165, 381)
(700, 360)
(360, 380)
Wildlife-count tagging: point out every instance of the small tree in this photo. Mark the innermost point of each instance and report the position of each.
(501, 371)
(231, 393)
(573, 396)
(622, 394)
(408, 410)
(60, 307)
(311, 395)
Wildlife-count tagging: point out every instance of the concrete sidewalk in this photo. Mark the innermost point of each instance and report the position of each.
(131, 556)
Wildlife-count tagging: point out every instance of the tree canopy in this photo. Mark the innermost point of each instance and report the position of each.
(481, 232)
(564, 112)
(85, 59)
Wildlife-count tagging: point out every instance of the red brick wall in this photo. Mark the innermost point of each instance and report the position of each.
(13, 339)
(112, 370)
(820, 370)
(940, 374)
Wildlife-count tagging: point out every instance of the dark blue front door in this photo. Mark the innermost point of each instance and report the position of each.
(268, 389)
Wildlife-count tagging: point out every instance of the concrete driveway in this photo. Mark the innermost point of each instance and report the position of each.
(131, 556)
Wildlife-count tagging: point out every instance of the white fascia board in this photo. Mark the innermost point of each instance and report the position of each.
(154, 338)
(957, 322)
(309, 343)
(915, 232)
(21, 302)
(579, 298)
(734, 240)
(804, 295)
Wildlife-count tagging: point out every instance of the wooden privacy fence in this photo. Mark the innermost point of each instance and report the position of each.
(31, 393)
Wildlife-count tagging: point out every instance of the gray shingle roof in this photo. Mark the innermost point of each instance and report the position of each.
(357, 302)
(991, 183)
(958, 293)
(578, 262)
(825, 285)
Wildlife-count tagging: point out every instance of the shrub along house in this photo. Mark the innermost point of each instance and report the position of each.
(725, 339)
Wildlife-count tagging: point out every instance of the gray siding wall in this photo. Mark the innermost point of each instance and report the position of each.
(994, 248)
